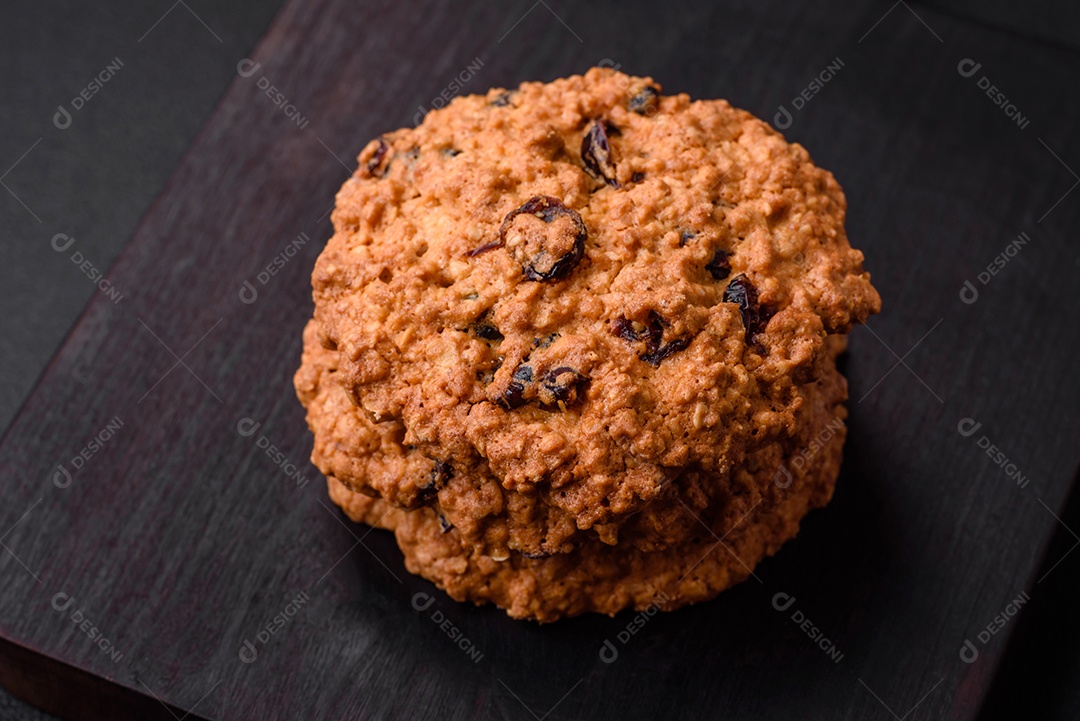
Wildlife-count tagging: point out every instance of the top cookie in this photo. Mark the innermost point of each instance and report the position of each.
(586, 287)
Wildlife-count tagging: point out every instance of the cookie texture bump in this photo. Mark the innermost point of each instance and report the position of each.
(568, 336)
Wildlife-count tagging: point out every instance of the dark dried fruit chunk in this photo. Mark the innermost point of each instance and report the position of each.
(491, 245)
(444, 525)
(501, 100)
(487, 332)
(625, 329)
(646, 101)
(547, 251)
(514, 395)
(596, 154)
(484, 328)
(652, 333)
(637, 177)
(375, 159)
(754, 316)
(546, 341)
(560, 385)
(440, 474)
(633, 331)
(719, 267)
(653, 358)
(685, 236)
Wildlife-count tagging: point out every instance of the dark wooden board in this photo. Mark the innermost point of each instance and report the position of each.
(179, 538)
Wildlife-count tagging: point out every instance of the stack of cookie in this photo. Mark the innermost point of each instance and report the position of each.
(575, 344)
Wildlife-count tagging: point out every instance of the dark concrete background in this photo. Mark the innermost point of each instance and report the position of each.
(94, 179)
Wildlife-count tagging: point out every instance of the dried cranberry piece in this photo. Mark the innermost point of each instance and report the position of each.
(560, 385)
(719, 267)
(484, 328)
(514, 395)
(652, 333)
(632, 331)
(378, 161)
(596, 154)
(491, 245)
(625, 329)
(653, 358)
(440, 474)
(487, 331)
(646, 101)
(546, 341)
(754, 316)
(549, 255)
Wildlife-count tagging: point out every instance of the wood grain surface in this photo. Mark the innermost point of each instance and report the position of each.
(165, 540)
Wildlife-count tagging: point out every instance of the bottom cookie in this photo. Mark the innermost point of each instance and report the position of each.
(781, 483)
